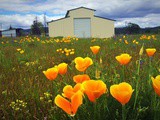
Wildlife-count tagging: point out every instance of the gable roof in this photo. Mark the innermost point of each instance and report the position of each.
(104, 18)
(78, 8)
(66, 16)
(12, 29)
(57, 19)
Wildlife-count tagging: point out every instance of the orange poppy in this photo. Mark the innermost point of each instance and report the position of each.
(156, 84)
(94, 89)
(81, 78)
(51, 73)
(123, 59)
(62, 68)
(69, 91)
(95, 49)
(70, 107)
(122, 92)
(83, 63)
(150, 51)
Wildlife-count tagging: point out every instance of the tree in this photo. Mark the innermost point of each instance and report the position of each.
(132, 28)
(37, 27)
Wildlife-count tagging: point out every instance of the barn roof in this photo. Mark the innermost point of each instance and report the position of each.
(66, 16)
(12, 29)
(57, 19)
(78, 8)
(104, 18)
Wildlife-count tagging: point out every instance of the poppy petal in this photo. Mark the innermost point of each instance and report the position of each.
(68, 91)
(76, 101)
(62, 68)
(81, 78)
(63, 104)
(123, 59)
(77, 87)
(83, 64)
(79, 60)
(122, 92)
(156, 84)
(94, 89)
(51, 73)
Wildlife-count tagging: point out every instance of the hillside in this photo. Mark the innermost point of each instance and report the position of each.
(152, 30)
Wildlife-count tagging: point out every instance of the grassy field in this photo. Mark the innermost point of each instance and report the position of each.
(26, 93)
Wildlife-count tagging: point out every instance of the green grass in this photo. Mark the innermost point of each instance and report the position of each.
(21, 77)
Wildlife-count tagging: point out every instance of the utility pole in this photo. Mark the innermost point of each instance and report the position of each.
(45, 24)
(1, 30)
(1, 26)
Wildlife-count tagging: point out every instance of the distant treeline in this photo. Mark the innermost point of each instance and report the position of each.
(135, 29)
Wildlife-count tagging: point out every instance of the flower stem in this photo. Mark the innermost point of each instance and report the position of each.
(94, 110)
(53, 87)
(71, 117)
(150, 60)
(123, 112)
(137, 83)
(123, 74)
(156, 103)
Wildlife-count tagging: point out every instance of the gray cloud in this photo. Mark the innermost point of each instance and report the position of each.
(111, 8)
(151, 20)
(22, 21)
(143, 12)
(130, 8)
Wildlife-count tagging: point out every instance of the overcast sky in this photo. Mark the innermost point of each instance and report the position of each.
(21, 13)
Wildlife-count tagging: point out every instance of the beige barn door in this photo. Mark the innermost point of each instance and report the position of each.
(82, 27)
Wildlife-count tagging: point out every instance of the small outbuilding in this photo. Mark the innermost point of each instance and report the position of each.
(0, 33)
(81, 22)
(12, 32)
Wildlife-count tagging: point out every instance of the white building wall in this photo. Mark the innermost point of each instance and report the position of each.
(9, 33)
(100, 27)
(62, 27)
